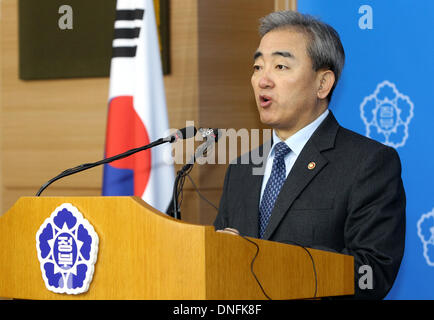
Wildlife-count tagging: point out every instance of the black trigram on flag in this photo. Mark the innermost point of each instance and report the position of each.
(127, 30)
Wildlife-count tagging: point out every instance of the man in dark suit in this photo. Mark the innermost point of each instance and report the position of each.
(323, 186)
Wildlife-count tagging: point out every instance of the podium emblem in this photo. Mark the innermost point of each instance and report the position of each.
(67, 247)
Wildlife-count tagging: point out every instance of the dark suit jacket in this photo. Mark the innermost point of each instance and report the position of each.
(352, 202)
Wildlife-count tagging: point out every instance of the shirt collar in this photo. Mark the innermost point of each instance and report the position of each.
(297, 141)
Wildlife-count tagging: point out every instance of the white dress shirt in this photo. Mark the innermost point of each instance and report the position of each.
(296, 143)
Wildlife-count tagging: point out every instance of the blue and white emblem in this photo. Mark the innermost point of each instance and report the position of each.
(425, 231)
(67, 247)
(387, 114)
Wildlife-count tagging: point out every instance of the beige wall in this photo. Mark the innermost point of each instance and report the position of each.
(228, 38)
(48, 126)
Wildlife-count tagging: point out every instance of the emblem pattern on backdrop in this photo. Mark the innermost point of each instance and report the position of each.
(385, 93)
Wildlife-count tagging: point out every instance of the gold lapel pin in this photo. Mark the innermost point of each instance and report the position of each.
(311, 165)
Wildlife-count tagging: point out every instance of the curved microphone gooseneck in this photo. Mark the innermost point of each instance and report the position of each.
(184, 133)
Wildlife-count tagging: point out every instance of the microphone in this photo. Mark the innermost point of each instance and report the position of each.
(184, 133)
(212, 136)
(208, 132)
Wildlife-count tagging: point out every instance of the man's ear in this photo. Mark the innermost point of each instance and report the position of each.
(326, 79)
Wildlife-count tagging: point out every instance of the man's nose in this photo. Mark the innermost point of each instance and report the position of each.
(265, 81)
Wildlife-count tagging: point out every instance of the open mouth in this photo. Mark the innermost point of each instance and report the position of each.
(265, 100)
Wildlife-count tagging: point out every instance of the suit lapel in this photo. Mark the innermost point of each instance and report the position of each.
(301, 175)
(297, 180)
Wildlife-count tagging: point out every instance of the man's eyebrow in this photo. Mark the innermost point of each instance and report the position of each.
(257, 55)
(285, 54)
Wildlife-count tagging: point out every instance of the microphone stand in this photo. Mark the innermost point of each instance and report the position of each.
(180, 178)
(86, 166)
(177, 188)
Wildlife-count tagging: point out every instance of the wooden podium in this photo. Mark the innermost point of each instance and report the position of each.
(144, 254)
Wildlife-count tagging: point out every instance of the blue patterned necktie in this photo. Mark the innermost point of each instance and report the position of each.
(274, 184)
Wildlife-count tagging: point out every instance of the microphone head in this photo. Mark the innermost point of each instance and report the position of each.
(184, 133)
(187, 132)
(210, 133)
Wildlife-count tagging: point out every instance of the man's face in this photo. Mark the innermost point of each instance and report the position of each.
(284, 82)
